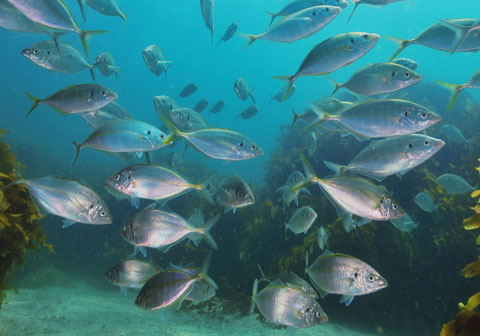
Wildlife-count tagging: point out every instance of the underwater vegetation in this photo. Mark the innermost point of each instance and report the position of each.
(19, 227)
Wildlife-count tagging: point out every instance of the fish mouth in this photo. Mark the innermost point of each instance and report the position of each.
(382, 283)
(439, 144)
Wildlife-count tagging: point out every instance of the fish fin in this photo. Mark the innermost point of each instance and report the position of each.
(402, 44)
(135, 202)
(356, 3)
(219, 41)
(86, 34)
(251, 96)
(40, 208)
(363, 221)
(124, 290)
(263, 276)
(456, 89)
(338, 169)
(296, 200)
(322, 116)
(306, 262)
(139, 154)
(92, 73)
(326, 253)
(140, 249)
(81, 3)
(234, 210)
(207, 189)
(251, 39)
(67, 223)
(305, 191)
(295, 118)
(78, 147)
(36, 101)
(291, 81)
(203, 274)
(336, 84)
(175, 131)
(309, 172)
(460, 34)
(55, 37)
(254, 293)
(347, 299)
(206, 232)
(272, 16)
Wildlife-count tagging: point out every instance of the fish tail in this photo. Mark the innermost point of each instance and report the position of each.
(254, 293)
(124, 17)
(336, 84)
(92, 73)
(204, 276)
(175, 131)
(206, 188)
(78, 147)
(456, 89)
(36, 101)
(206, 232)
(251, 96)
(295, 118)
(86, 34)
(356, 3)
(263, 276)
(251, 39)
(322, 116)
(402, 44)
(219, 41)
(81, 4)
(310, 176)
(460, 34)
(17, 181)
(272, 17)
(306, 262)
(338, 169)
(291, 81)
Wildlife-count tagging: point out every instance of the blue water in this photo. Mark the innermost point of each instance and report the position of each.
(178, 28)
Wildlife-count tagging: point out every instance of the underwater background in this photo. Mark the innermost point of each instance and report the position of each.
(422, 266)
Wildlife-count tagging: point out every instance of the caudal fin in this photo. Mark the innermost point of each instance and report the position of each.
(78, 147)
(206, 188)
(263, 276)
(175, 131)
(356, 3)
(251, 39)
(295, 118)
(338, 169)
(86, 34)
(254, 293)
(456, 89)
(206, 233)
(204, 276)
(36, 101)
(336, 84)
(402, 44)
(288, 90)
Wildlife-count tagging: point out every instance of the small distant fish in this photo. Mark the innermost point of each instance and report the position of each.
(249, 112)
(380, 78)
(164, 104)
(322, 238)
(473, 83)
(453, 134)
(279, 95)
(68, 199)
(301, 220)
(332, 54)
(106, 64)
(425, 202)
(188, 90)
(287, 306)
(454, 184)
(291, 280)
(201, 105)
(298, 25)
(119, 111)
(105, 7)
(242, 90)
(60, 57)
(155, 60)
(406, 62)
(287, 194)
(371, 3)
(311, 144)
(405, 223)
(218, 107)
(310, 117)
(76, 99)
(231, 30)
(208, 10)
(200, 292)
(131, 273)
(95, 119)
(297, 5)
(234, 193)
(186, 119)
(335, 273)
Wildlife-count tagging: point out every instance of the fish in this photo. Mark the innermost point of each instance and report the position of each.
(217, 143)
(287, 306)
(97, 118)
(200, 292)
(291, 280)
(297, 26)
(353, 196)
(242, 90)
(76, 99)
(217, 107)
(60, 57)
(186, 119)
(371, 3)
(425, 202)
(172, 286)
(188, 90)
(301, 220)
(332, 54)
(405, 223)
(461, 31)
(123, 136)
(71, 200)
(208, 10)
(336, 273)
(322, 238)
(379, 78)
(441, 37)
(233, 193)
(201, 105)
(231, 30)
(279, 95)
(161, 230)
(298, 5)
(119, 111)
(155, 183)
(311, 144)
(106, 64)
(382, 118)
(164, 104)
(454, 184)
(406, 62)
(249, 112)
(455, 135)
(309, 117)
(397, 155)
(105, 7)
(473, 83)
(54, 15)
(131, 273)
(289, 196)
(155, 60)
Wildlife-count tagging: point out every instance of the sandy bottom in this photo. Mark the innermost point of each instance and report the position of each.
(84, 310)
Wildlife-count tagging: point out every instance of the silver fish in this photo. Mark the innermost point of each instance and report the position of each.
(287, 194)
(333, 54)
(291, 280)
(335, 273)
(473, 83)
(279, 95)
(60, 57)
(371, 3)
(106, 64)
(298, 5)
(301, 220)
(380, 78)
(311, 144)
(242, 90)
(164, 104)
(208, 10)
(68, 199)
(287, 306)
(105, 7)
(249, 112)
(188, 90)
(462, 31)
(390, 156)
(425, 202)
(131, 273)
(186, 119)
(298, 25)
(95, 119)
(406, 62)
(155, 60)
(114, 108)
(76, 99)
(123, 136)
(200, 292)
(454, 184)
(200, 105)
(405, 223)
(217, 107)
(154, 183)
(234, 193)
(322, 238)
(453, 134)
(231, 30)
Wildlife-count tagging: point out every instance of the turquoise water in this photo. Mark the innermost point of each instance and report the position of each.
(43, 143)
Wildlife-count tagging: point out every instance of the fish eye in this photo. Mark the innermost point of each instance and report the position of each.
(371, 277)
(406, 113)
(407, 74)
(355, 275)
(92, 93)
(103, 213)
(253, 147)
(365, 36)
(410, 145)
(92, 205)
(104, 93)
(117, 177)
(352, 40)
(424, 115)
(241, 144)
(393, 74)
(317, 314)
(98, 60)
(48, 52)
(162, 136)
(35, 51)
(427, 143)
(314, 13)
(394, 206)
(149, 132)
